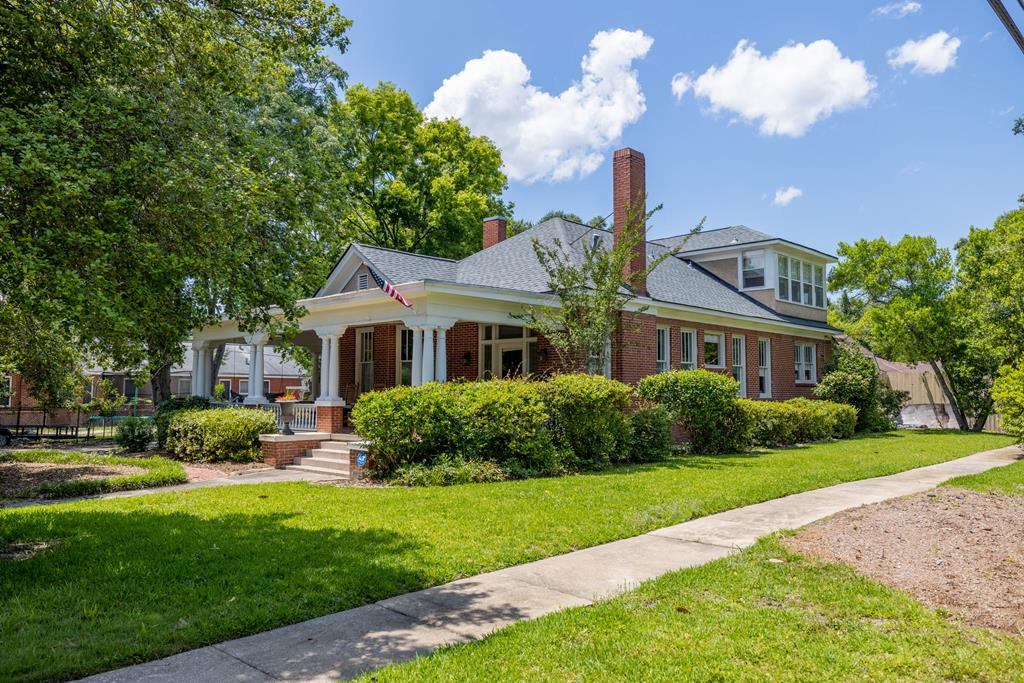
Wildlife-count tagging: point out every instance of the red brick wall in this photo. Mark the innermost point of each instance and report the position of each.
(783, 377)
(633, 348)
(463, 338)
(281, 453)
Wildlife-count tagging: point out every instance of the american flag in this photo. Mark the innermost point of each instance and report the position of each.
(389, 288)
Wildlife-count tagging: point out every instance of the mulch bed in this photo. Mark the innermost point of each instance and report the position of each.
(17, 478)
(959, 550)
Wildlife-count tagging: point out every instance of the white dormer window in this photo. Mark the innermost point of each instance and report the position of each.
(595, 241)
(801, 282)
(363, 281)
(753, 269)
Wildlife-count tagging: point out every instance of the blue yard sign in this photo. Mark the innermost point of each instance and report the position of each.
(361, 458)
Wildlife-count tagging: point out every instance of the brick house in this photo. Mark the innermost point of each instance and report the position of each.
(733, 300)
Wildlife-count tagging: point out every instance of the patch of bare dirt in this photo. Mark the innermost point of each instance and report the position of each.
(23, 551)
(19, 478)
(365, 483)
(950, 548)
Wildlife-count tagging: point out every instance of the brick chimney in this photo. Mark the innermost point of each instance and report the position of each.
(495, 230)
(630, 191)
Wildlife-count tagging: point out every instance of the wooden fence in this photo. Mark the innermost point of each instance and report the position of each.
(924, 390)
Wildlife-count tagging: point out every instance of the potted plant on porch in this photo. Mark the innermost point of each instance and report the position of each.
(287, 402)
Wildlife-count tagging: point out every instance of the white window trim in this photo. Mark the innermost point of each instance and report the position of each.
(790, 259)
(10, 391)
(399, 329)
(765, 258)
(693, 348)
(767, 367)
(799, 366)
(663, 364)
(358, 375)
(722, 350)
(243, 387)
(743, 357)
(496, 345)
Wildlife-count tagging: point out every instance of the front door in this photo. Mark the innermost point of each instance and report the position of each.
(512, 362)
(364, 360)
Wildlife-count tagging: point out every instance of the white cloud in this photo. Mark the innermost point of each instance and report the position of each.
(931, 55)
(988, 34)
(787, 91)
(897, 10)
(544, 136)
(784, 195)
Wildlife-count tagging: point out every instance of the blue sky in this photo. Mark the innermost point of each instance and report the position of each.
(877, 141)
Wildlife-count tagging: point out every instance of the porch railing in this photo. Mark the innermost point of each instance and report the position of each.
(303, 416)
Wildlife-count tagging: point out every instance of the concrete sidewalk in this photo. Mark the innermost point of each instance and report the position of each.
(343, 645)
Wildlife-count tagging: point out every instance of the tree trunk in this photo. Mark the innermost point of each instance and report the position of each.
(216, 360)
(161, 383)
(982, 417)
(958, 413)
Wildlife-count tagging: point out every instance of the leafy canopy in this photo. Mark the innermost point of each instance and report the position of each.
(158, 168)
(410, 183)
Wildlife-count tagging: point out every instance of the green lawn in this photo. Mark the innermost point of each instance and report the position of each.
(1008, 480)
(134, 579)
(742, 618)
(158, 472)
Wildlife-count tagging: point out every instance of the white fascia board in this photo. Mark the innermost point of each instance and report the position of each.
(753, 246)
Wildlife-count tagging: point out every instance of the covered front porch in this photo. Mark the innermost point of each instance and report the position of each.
(363, 340)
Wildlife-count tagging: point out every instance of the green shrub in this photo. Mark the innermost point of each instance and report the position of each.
(1008, 394)
(853, 378)
(166, 410)
(502, 421)
(134, 434)
(589, 421)
(706, 406)
(651, 433)
(772, 423)
(448, 471)
(798, 420)
(219, 434)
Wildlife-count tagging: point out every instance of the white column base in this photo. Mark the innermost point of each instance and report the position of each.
(254, 400)
(331, 402)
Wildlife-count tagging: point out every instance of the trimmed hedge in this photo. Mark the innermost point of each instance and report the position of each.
(503, 421)
(651, 429)
(589, 421)
(706, 406)
(167, 409)
(798, 420)
(219, 434)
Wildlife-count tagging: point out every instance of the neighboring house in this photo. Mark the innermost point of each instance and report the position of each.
(281, 374)
(734, 300)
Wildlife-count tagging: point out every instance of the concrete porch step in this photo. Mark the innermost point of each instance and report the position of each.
(328, 454)
(340, 466)
(317, 470)
(334, 447)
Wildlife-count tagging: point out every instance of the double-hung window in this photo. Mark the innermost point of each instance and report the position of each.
(753, 269)
(688, 349)
(714, 350)
(804, 361)
(764, 368)
(663, 350)
(739, 362)
(405, 340)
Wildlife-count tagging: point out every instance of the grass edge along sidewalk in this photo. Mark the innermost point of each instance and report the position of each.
(132, 580)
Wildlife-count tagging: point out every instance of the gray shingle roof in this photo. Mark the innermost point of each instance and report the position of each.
(719, 237)
(512, 264)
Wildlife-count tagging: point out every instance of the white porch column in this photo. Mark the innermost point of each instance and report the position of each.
(442, 355)
(417, 355)
(428, 354)
(256, 343)
(196, 364)
(334, 379)
(325, 368)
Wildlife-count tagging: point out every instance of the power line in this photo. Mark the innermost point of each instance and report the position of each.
(1004, 16)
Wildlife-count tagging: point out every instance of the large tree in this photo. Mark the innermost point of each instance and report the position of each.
(158, 167)
(412, 183)
(909, 307)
